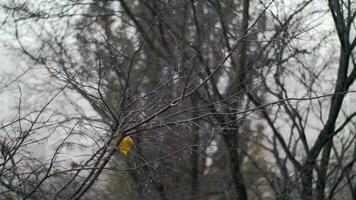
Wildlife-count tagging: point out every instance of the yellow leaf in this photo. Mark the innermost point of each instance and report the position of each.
(124, 146)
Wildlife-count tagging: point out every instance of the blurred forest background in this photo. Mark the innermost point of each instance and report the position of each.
(223, 99)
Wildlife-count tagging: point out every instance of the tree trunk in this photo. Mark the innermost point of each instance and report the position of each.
(231, 141)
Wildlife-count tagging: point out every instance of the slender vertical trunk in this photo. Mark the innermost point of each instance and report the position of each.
(231, 140)
(322, 175)
(195, 153)
(324, 140)
(307, 182)
(231, 136)
(195, 163)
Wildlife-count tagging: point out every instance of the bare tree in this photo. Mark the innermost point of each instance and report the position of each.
(218, 96)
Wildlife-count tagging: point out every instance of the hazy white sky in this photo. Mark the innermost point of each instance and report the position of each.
(7, 66)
